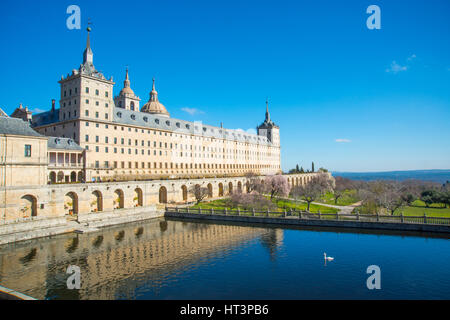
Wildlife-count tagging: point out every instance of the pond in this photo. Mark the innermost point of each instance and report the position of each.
(174, 259)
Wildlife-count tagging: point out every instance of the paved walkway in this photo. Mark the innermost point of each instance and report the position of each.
(342, 209)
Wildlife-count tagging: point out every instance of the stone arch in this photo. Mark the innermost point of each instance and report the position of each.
(162, 195)
(73, 176)
(119, 199)
(239, 187)
(60, 176)
(96, 201)
(80, 176)
(71, 203)
(28, 206)
(184, 191)
(52, 177)
(220, 189)
(138, 197)
(210, 190)
(230, 188)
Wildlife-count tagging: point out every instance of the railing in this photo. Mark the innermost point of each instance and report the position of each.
(65, 165)
(295, 214)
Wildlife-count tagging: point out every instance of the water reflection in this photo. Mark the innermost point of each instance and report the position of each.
(272, 241)
(114, 262)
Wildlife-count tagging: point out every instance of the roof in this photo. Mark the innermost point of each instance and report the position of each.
(15, 126)
(155, 121)
(45, 118)
(63, 143)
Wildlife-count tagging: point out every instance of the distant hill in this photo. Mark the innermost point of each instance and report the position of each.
(440, 176)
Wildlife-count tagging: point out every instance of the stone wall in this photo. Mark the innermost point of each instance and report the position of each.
(18, 203)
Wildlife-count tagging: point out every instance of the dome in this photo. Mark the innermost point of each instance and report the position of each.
(153, 105)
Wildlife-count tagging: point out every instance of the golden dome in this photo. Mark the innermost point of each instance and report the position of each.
(153, 105)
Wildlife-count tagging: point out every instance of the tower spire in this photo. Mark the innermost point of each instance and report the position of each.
(153, 93)
(267, 111)
(126, 83)
(88, 55)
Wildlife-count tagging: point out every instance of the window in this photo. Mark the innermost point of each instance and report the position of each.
(96, 92)
(28, 150)
(106, 95)
(87, 89)
(87, 138)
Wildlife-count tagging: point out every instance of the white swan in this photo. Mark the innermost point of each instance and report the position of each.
(327, 258)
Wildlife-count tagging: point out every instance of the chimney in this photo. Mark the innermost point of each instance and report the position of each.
(53, 105)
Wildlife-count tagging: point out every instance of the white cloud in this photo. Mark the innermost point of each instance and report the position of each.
(192, 111)
(396, 68)
(343, 140)
(411, 57)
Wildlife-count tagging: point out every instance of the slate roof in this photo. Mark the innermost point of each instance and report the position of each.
(16, 126)
(45, 118)
(154, 121)
(62, 143)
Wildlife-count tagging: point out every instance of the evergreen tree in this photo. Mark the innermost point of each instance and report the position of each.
(312, 167)
(297, 169)
(302, 170)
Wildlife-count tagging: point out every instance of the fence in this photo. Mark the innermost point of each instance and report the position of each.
(294, 214)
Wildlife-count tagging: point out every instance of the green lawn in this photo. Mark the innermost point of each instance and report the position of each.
(418, 208)
(349, 197)
(282, 204)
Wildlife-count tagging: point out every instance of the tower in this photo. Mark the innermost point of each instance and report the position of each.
(85, 95)
(269, 129)
(126, 98)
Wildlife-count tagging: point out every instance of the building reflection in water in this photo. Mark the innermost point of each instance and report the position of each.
(117, 260)
(272, 240)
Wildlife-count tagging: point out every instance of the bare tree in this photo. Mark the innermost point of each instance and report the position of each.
(312, 190)
(252, 200)
(199, 192)
(276, 185)
(342, 184)
(253, 182)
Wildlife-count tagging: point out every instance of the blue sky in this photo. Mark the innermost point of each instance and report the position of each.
(346, 97)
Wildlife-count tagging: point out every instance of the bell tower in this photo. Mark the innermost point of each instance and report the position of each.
(269, 129)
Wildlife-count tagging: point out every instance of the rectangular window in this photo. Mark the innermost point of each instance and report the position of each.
(96, 92)
(87, 138)
(97, 164)
(87, 89)
(28, 150)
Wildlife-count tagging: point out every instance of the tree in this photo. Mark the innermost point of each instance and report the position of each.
(302, 170)
(199, 192)
(276, 185)
(312, 190)
(250, 201)
(253, 182)
(297, 170)
(429, 197)
(342, 184)
(312, 167)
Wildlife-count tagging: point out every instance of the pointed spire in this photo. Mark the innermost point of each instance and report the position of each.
(88, 55)
(153, 93)
(267, 111)
(126, 83)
